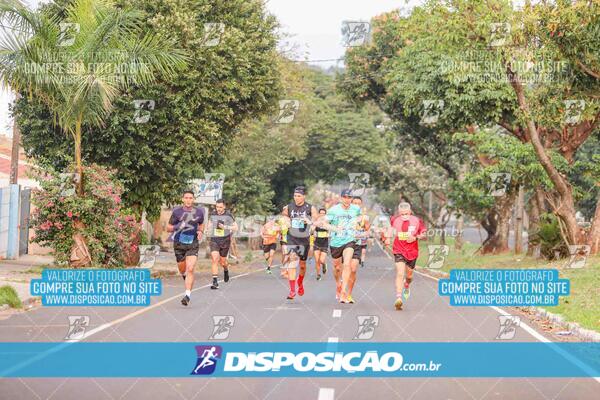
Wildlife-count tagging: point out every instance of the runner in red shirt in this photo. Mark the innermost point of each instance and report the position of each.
(406, 229)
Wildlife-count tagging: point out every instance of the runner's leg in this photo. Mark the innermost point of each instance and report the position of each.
(337, 276)
(318, 262)
(291, 273)
(352, 280)
(190, 263)
(346, 271)
(400, 274)
(214, 259)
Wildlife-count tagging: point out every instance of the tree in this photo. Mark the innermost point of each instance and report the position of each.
(79, 72)
(197, 114)
(483, 76)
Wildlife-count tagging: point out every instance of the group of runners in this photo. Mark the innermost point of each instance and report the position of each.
(342, 231)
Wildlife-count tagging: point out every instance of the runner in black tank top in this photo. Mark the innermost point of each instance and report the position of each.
(300, 214)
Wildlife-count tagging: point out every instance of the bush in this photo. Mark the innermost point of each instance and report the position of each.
(111, 233)
(549, 238)
(8, 295)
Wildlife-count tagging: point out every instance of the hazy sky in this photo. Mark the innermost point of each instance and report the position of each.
(314, 27)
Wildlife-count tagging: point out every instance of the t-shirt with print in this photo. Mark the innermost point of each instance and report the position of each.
(218, 232)
(414, 227)
(344, 218)
(186, 221)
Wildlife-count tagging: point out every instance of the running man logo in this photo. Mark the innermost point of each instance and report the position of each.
(68, 31)
(68, 182)
(508, 326)
(148, 255)
(287, 111)
(499, 184)
(573, 111)
(142, 110)
(366, 327)
(207, 359)
(222, 327)
(437, 255)
(77, 326)
(213, 32)
(355, 33)
(578, 255)
(432, 109)
(359, 183)
(499, 32)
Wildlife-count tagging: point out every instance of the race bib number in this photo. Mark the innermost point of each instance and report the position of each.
(403, 235)
(219, 232)
(186, 238)
(297, 223)
(322, 234)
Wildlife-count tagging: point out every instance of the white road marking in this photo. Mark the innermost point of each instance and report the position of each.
(146, 309)
(535, 334)
(337, 313)
(326, 394)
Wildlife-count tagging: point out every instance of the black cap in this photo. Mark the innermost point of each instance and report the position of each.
(346, 192)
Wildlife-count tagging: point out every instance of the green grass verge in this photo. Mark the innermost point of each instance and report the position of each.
(581, 306)
(8, 295)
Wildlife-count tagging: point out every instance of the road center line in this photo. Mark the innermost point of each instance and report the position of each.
(326, 394)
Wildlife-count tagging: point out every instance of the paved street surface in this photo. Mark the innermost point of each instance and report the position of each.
(257, 302)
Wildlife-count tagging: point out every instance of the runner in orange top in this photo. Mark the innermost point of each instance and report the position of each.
(270, 233)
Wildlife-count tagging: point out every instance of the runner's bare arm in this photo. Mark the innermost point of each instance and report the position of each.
(200, 231)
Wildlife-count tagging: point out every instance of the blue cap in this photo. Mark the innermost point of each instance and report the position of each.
(346, 192)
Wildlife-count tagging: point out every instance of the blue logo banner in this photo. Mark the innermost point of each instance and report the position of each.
(268, 359)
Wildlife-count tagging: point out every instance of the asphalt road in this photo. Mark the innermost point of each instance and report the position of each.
(261, 312)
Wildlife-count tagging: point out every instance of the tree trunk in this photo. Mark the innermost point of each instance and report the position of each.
(564, 205)
(78, 163)
(16, 141)
(460, 226)
(594, 234)
(534, 223)
(519, 222)
(497, 226)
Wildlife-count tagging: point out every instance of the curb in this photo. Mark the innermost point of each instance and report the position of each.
(571, 328)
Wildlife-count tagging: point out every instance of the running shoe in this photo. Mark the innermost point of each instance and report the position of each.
(269, 270)
(291, 296)
(398, 303)
(406, 291)
(350, 300)
(226, 275)
(319, 277)
(215, 284)
(186, 300)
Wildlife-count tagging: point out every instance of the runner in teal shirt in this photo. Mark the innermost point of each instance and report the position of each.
(341, 221)
(343, 218)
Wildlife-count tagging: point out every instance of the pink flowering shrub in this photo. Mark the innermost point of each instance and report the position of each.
(111, 232)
